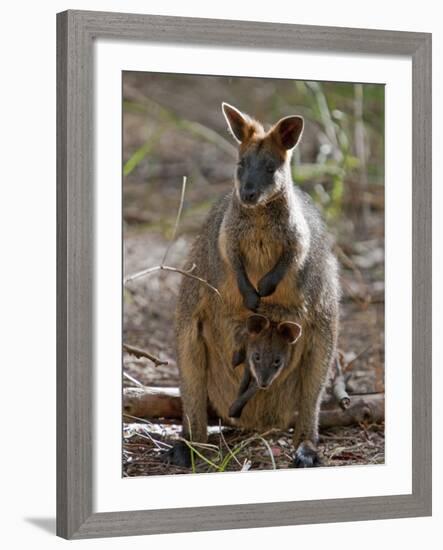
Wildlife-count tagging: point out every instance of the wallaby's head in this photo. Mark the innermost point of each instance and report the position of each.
(268, 348)
(263, 169)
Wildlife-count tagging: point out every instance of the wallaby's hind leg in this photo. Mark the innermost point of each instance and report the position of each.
(313, 372)
(191, 356)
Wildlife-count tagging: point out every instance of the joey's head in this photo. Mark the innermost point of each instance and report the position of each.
(263, 168)
(268, 350)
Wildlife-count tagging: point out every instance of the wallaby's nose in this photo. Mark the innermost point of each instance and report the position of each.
(249, 196)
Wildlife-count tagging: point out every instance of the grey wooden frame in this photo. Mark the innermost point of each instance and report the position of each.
(76, 32)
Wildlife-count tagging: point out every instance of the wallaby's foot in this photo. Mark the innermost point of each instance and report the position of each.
(306, 456)
(179, 455)
(251, 300)
(267, 285)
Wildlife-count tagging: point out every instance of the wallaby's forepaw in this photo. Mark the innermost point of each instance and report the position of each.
(251, 301)
(266, 286)
(238, 357)
(305, 457)
(235, 410)
(179, 455)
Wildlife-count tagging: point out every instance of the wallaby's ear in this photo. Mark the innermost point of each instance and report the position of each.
(239, 123)
(290, 331)
(288, 131)
(257, 324)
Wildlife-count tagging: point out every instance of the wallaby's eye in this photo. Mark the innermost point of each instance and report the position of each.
(270, 168)
(256, 356)
(241, 163)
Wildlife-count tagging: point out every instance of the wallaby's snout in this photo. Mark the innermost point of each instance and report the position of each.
(268, 372)
(266, 366)
(249, 194)
(257, 175)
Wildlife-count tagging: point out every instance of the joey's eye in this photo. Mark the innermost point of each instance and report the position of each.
(277, 362)
(256, 356)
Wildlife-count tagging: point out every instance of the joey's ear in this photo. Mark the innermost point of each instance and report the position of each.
(257, 324)
(239, 123)
(288, 131)
(290, 331)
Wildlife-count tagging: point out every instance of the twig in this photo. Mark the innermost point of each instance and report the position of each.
(162, 266)
(348, 366)
(271, 454)
(177, 221)
(137, 352)
(143, 420)
(186, 273)
(149, 437)
(137, 418)
(132, 379)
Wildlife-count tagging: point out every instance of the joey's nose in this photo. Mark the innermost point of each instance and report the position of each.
(249, 196)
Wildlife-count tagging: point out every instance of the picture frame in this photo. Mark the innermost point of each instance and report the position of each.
(76, 33)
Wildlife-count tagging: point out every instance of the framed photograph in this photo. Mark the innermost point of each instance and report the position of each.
(244, 274)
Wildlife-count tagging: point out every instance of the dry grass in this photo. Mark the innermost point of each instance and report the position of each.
(235, 450)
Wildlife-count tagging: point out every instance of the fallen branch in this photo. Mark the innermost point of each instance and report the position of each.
(137, 352)
(149, 402)
(363, 408)
(154, 402)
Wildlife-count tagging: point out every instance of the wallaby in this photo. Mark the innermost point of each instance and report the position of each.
(265, 248)
(264, 349)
